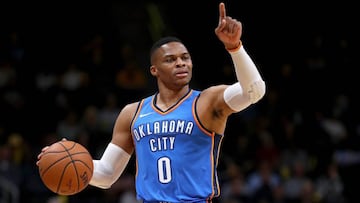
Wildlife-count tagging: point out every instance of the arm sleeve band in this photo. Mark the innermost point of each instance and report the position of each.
(109, 168)
(251, 87)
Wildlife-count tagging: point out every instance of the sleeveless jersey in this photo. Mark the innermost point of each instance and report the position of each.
(176, 157)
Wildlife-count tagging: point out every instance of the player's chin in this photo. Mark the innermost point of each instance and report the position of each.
(183, 80)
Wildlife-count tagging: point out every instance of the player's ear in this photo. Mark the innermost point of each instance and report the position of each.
(153, 70)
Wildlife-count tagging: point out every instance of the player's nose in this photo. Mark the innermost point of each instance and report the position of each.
(179, 61)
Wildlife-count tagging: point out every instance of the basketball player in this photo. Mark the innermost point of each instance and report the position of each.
(177, 132)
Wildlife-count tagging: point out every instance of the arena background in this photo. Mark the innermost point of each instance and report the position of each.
(306, 52)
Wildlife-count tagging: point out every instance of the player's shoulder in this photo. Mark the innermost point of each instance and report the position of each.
(127, 112)
(131, 107)
(211, 96)
(213, 90)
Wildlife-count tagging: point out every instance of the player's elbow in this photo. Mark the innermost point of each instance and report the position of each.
(257, 91)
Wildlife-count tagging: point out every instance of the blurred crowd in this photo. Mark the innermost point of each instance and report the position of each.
(300, 144)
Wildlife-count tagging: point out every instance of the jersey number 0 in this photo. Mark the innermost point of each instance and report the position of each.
(164, 170)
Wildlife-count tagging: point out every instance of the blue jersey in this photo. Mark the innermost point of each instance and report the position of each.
(176, 157)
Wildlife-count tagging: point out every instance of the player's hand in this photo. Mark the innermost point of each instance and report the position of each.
(229, 30)
(43, 151)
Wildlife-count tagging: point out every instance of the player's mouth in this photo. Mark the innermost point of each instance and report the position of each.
(182, 74)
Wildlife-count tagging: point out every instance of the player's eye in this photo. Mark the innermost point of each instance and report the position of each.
(170, 59)
(185, 57)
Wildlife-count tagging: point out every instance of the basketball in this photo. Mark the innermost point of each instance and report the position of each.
(66, 167)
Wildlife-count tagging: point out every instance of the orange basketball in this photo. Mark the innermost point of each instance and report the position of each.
(66, 167)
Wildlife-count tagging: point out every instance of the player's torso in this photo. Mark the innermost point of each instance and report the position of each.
(176, 157)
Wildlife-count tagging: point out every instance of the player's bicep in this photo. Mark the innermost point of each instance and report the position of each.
(121, 132)
(214, 101)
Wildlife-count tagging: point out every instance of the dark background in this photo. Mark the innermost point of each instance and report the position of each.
(318, 40)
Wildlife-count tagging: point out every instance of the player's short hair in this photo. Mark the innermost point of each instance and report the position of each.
(162, 41)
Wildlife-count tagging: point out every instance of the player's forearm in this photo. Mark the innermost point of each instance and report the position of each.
(109, 168)
(247, 74)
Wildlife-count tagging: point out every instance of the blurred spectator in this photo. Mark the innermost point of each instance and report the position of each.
(93, 50)
(73, 78)
(234, 187)
(90, 129)
(130, 75)
(8, 74)
(69, 127)
(308, 193)
(266, 150)
(295, 183)
(279, 194)
(46, 80)
(14, 48)
(108, 113)
(262, 182)
(9, 192)
(330, 186)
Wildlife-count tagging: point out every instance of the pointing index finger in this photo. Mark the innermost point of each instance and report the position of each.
(222, 12)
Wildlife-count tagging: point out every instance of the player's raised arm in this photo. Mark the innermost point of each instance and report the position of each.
(250, 87)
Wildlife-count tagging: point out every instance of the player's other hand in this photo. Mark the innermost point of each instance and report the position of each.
(43, 151)
(229, 30)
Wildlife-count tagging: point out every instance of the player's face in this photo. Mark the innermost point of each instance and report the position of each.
(172, 64)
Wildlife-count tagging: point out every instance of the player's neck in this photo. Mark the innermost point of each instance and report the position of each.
(168, 98)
